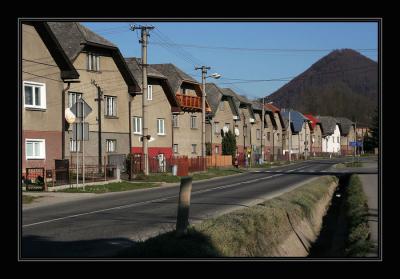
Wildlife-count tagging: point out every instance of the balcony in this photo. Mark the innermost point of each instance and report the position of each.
(191, 103)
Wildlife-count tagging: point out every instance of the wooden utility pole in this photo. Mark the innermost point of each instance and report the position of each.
(145, 136)
(99, 99)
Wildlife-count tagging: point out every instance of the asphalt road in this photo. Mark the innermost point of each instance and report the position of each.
(100, 226)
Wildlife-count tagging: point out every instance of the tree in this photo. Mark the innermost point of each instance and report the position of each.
(229, 144)
(371, 140)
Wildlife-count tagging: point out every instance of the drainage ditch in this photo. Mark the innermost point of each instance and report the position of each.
(331, 242)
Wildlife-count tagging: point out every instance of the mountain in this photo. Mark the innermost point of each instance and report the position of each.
(342, 83)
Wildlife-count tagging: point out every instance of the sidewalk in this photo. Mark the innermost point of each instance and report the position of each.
(370, 187)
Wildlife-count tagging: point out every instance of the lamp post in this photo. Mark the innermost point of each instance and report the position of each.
(203, 107)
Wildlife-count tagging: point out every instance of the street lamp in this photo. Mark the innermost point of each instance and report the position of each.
(203, 107)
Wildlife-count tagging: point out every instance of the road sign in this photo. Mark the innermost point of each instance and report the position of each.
(80, 131)
(81, 108)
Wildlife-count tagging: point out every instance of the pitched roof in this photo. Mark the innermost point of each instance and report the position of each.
(296, 119)
(68, 71)
(328, 124)
(345, 125)
(313, 120)
(272, 107)
(134, 65)
(73, 36)
(214, 97)
(175, 75)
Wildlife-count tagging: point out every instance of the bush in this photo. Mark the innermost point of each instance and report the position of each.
(229, 144)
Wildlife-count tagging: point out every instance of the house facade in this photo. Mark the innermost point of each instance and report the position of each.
(331, 133)
(276, 140)
(222, 117)
(160, 104)
(46, 72)
(316, 135)
(187, 124)
(348, 135)
(107, 86)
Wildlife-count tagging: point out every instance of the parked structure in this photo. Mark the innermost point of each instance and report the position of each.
(316, 135)
(331, 132)
(348, 134)
(222, 118)
(107, 86)
(186, 130)
(46, 73)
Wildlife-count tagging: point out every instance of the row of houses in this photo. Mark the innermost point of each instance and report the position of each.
(63, 62)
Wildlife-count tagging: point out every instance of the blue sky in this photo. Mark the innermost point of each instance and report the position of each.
(298, 38)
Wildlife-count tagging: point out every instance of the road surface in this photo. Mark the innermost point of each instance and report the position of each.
(100, 226)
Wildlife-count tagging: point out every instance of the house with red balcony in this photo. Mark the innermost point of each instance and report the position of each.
(186, 124)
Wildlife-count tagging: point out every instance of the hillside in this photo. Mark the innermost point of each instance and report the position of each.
(342, 83)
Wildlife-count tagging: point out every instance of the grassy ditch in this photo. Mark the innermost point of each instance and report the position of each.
(29, 199)
(111, 187)
(249, 232)
(358, 243)
(349, 165)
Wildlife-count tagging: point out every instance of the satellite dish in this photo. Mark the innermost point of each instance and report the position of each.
(225, 129)
(69, 116)
(237, 132)
(151, 139)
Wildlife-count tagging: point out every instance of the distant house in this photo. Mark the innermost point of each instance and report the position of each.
(348, 135)
(331, 133)
(300, 132)
(187, 125)
(107, 86)
(161, 103)
(316, 135)
(244, 126)
(46, 72)
(276, 139)
(222, 117)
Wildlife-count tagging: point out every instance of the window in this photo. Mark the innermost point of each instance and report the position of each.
(183, 91)
(193, 123)
(217, 149)
(175, 121)
(227, 125)
(338, 140)
(93, 62)
(194, 147)
(258, 134)
(35, 95)
(74, 146)
(73, 97)
(111, 145)
(268, 136)
(110, 106)
(216, 126)
(35, 149)
(175, 148)
(137, 125)
(221, 106)
(149, 92)
(277, 136)
(160, 126)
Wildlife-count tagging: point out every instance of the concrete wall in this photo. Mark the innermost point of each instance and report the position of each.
(317, 142)
(41, 123)
(184, 136)
(345, 140)
(330, 143)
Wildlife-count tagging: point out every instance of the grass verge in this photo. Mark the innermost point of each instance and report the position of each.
(349, 165)
(29, 199)
(111, 187)
(358, 244)
(249, 232)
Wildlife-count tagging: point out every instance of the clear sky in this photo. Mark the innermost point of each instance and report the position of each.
(287, 49)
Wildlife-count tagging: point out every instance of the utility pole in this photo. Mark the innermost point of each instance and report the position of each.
(203, 110)
(262, 128)
(306, 142)
(99, 99)
(145, 136)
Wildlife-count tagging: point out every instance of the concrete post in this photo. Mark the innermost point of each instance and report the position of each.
(182, 220)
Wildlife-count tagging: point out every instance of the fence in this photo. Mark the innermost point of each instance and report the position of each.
(219, 161)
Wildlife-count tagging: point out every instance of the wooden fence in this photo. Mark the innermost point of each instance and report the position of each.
(219, 161)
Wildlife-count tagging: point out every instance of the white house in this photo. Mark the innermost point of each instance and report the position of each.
(331, 134)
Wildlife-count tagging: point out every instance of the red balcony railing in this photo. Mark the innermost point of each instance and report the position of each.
(190, 102)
